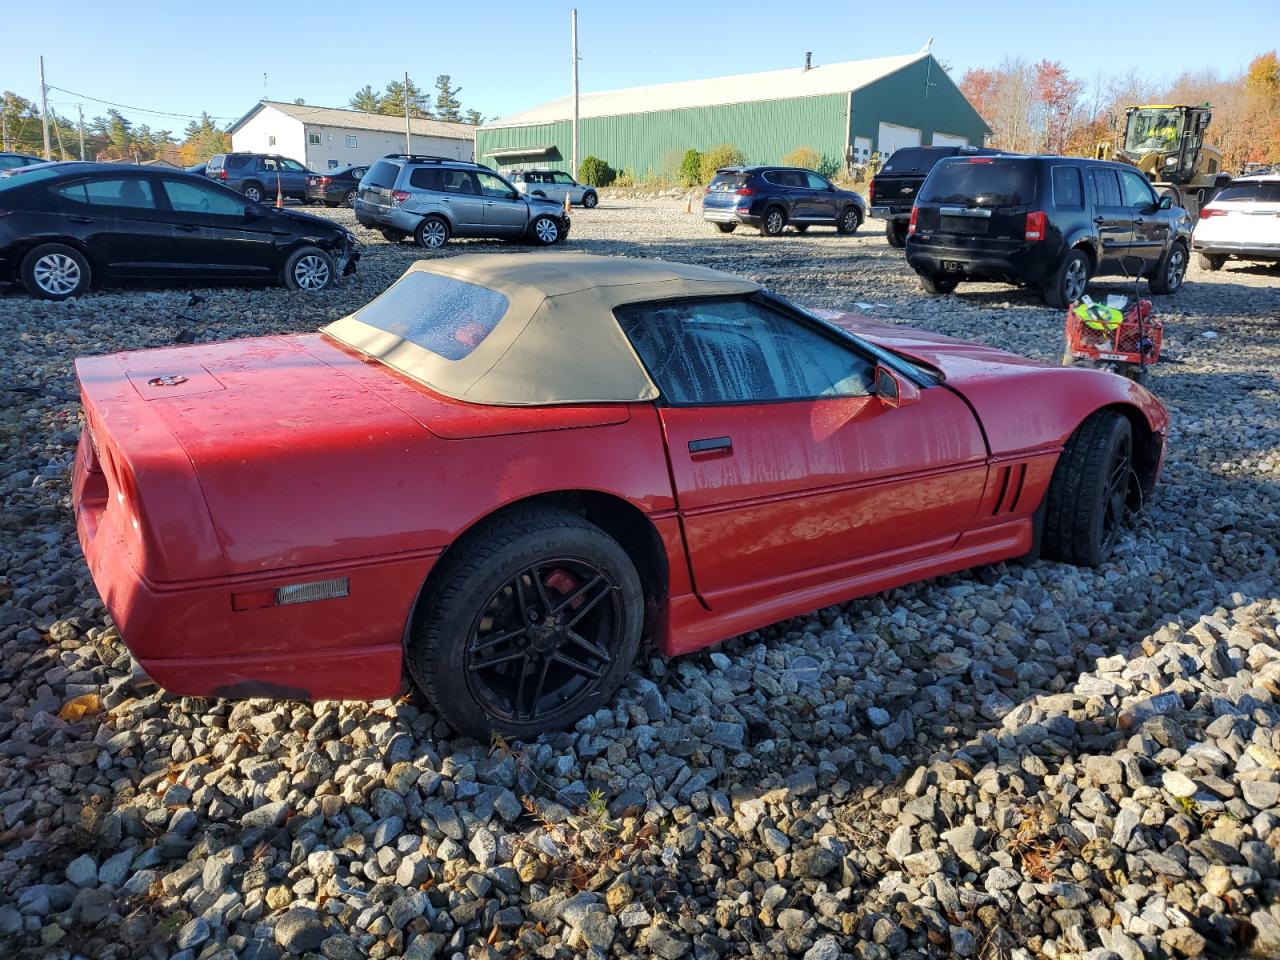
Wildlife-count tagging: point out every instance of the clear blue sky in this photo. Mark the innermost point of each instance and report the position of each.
(188, 56)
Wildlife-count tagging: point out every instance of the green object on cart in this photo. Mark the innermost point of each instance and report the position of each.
(1098, 317)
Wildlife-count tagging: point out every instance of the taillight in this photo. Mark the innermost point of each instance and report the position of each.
(911, 227)
(399, 196)
(1035, 226)
(325, 181)
(1207, 212)
(979, 160)
(222, 174)
(871, 192)
(744, 191)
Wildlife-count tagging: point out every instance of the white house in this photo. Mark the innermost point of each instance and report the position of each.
(323, 138)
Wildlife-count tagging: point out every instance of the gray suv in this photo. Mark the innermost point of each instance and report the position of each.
(259, 176)
(434, 198)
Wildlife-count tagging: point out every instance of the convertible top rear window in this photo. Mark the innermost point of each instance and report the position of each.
(449, 317)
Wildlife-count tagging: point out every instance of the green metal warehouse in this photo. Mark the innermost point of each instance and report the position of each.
(845, 111)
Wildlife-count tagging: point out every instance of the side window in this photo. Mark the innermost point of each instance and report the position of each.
(359, 172)
(313, 139)
(351, 141)
(1068, 190)
(201, 198)
(492, 185)
(426, 178)
(267, 163)
(293, 165)
(564, 178)
(1137, 191)
(1106, 189)
(740, 351)
(457, 181)
(132, 192)
(816, 182)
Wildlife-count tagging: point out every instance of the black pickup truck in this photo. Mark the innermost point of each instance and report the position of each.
(894, 188)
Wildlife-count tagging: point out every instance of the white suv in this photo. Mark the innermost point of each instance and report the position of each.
(1242, 221)
(554, 185)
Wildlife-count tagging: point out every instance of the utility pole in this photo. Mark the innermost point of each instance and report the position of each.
(573, 24)
(408, 141)
(44, 112)
(4, 131)
(80, 110)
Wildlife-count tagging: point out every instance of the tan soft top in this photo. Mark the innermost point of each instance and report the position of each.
(557, 342)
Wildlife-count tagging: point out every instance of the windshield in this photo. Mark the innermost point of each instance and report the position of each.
(1153, 129)
(1261, 191)
(981, 182)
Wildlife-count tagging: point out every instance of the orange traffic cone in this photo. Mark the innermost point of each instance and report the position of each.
(567, 205)
(279, 192)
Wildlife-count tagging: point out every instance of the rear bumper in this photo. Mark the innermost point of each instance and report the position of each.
(1026, 264)
(728, 215)
(885, 212)
(1261, 251)
(320, 193)
(192, 640)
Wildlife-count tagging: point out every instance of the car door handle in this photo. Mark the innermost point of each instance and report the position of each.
(80, 220)
(710, 445)
(188, 227)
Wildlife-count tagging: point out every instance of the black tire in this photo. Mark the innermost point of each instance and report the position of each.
(1211, 261)
(800, 227)
(308, 268)
(895, 231)
(726, 227)
(938, 286)
(1171, 271)
(55, 271)
(590, 199)
(1090, 491)
(331, 203)
(483, 579)
(773, 222)
(849, 221)
(545, 230)
(350, 199)
(1069, 281)
(252, 191)
(432, 233)
(392, 236)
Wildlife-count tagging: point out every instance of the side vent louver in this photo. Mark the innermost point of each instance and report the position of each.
(1010, 481)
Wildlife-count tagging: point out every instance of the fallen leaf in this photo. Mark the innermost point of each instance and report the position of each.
(77, 708)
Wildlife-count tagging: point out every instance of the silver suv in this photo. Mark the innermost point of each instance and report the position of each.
(554, 185)
(434, 198)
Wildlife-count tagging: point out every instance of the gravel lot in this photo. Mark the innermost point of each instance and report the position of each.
(1012, 762)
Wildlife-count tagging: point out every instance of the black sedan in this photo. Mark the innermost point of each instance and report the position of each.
(335, 187)
(65, 226)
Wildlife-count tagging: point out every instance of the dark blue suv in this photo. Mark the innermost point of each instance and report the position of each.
(770, 198)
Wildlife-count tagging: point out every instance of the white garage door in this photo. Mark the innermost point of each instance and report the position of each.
(949, 140)
(892, 136)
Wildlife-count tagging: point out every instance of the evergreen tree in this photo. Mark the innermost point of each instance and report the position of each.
(473, 117)
(366, 100)
(392, 102)
(447, 102)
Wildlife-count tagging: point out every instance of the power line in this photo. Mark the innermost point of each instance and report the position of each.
(125, 106)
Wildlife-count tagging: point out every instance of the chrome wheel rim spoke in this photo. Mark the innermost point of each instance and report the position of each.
(56, 273)
(311, 273)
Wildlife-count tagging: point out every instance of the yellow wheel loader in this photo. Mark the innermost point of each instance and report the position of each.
(1167, 144)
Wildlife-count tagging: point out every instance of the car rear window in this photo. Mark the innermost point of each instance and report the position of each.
(27, 175)
(914, 160)
(446, 316)
(1261, 191)
(382, 174)
(727, 182)
(981, 182)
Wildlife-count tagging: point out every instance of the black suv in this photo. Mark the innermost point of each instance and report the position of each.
(770, 198)
(893, 190)
(1046, 222)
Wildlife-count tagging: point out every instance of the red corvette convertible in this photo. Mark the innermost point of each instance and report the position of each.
(507, 469)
